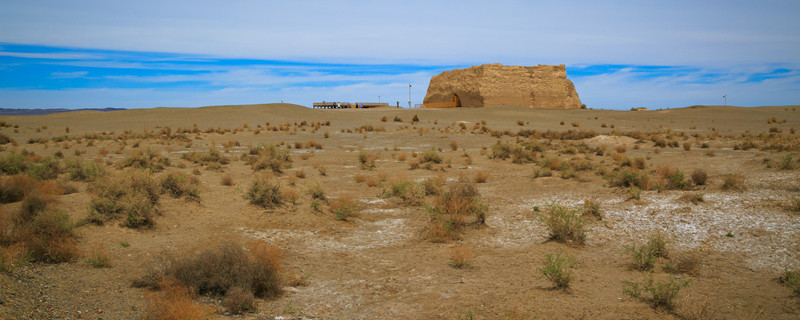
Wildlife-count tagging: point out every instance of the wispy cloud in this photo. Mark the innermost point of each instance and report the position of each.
(68, 75)
(121, 79)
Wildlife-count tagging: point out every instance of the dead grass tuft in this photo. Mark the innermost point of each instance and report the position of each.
(460, 256)
(481, 176)
(733, 181)
(173, 302)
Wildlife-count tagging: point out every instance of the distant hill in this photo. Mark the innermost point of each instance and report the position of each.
(38, 112)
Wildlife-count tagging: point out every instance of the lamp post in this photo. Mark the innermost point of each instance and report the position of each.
(409, 95)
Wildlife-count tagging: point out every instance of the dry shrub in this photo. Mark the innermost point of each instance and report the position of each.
(12, 256)
(212, 156)
(173, 302)
(343, 207)
(733, 181)
(264, 193)
(367, 159)
(132, 194)
(217, 270)
(684, 263)
(78, 170)
(455, 208)
(372, 182)
(14, 188)
(592, 207)
(291, 195)
(226, 180)
(360, 178)
(698, 309)
(146, 159)
(460, 256)
(49, 237)
(699, 177)
(433, 185)
(239, 300)
(269, 157)
(620, 149)
(481, 176)
(32, 204)
(409, 193)
(672, 178)
(178, 184)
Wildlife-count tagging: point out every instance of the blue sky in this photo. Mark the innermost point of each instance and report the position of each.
(619, 54)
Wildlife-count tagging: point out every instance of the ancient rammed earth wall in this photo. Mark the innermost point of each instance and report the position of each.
(542, 86)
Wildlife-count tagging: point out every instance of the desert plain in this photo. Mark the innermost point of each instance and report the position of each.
(404, 214)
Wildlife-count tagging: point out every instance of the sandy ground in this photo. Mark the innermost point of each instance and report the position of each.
(378, 264)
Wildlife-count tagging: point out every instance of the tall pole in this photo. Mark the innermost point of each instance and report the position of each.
(409, 95)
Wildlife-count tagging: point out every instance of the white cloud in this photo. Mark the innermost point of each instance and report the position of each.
(467, 32)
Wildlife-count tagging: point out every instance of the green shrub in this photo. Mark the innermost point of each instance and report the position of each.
(630, 178)
(557, 269)
(791, 279)
(643, 257)
(676, 180)
(788, 162)
(47, 169)
(12, 163)
(565, 225)
(264, 193)
(79, 171)
(178, 184)
(661, 294)
(99, 260)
